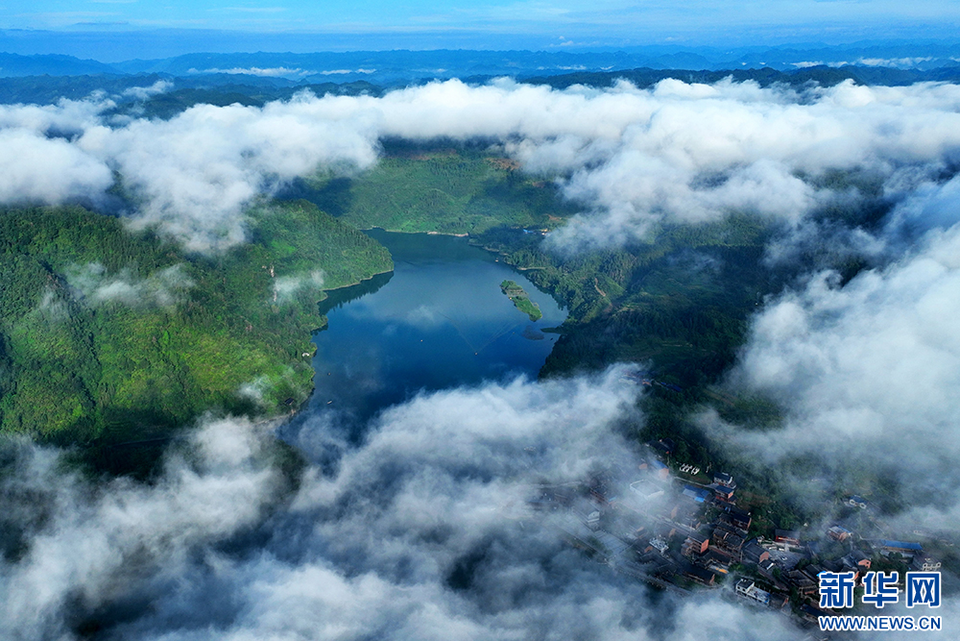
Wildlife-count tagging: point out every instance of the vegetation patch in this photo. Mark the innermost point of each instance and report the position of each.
(113, 336)
(448, 190)
(521, 300)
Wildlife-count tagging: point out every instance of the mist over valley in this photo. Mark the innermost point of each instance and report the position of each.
(748, 282)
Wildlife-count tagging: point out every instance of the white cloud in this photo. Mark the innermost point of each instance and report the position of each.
(677, 152)
(286, 287)
(904, 63)
(71, 116)
(142, 93)
(869, 373)
(366, 547)
(197, 171)
(270, 72)
(96, 538)
(34, 168)
(163, 288)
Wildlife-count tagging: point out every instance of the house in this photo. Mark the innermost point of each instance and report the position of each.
(926, 563)
(660, 469)
(664, 530)
(729, 540)
(722, 478)
(779, 601)
(695, 544)
(724, 493)
(813, 571)
(856, 561)
(646, 489)
(563, 496)
(687, 514)
(593, 520)
(737, 517)
(754, 553)
(812, 613)
(838, 533)
(790, 537)
(659, 544)
(747, 589)
(901, 547)
(697, 494)
(600, 486)
(700, 575)
(656, 467)
(641, 545)
(849, 563)
(663, 447)
(717, 561)
(806, 587)
(779, 582)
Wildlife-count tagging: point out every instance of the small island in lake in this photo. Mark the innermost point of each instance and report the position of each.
(520, 298)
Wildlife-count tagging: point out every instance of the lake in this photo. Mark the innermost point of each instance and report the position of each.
(438, 321)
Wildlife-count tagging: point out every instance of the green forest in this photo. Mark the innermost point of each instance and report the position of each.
(678, 302)
(521, 300)
(109, 336)
(454, 189)
(679, 299)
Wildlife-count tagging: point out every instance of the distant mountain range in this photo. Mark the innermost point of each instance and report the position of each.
(162, 88)
(392, 67)
(12, 64)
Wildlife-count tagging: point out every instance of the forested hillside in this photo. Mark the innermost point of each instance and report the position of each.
(679, 300)
(449, 190)
(109, 335)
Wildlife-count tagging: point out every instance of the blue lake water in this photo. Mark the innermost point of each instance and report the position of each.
(438, 321)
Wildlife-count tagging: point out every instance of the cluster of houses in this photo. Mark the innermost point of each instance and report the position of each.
(677, 534)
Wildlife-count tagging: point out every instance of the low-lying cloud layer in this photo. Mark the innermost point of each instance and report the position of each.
(418, 533)
(412, 534)
(677, 152)
(869, 372)
(195, 173)
(286, 287)
(81, 547)
(96, 286)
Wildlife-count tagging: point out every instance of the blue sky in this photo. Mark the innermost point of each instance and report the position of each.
(597, 18)
(540, 24)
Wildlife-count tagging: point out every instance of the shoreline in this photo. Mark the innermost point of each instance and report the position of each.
(426, 233)
(359, 282)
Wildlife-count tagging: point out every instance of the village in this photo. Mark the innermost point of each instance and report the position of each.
(680, 530)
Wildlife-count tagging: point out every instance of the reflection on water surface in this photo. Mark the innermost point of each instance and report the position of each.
(438, 321)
